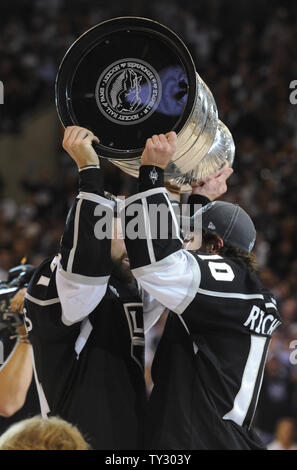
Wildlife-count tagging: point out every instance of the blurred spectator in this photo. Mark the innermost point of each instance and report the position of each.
(275, 397)
(43, 434)
(285, 436)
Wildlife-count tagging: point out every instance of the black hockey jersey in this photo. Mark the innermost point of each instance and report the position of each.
(91, 373)
(209, 365)
(86, 329)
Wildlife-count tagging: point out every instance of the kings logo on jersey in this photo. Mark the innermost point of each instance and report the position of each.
(134, 314)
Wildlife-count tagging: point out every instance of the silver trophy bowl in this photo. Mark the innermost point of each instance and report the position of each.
(129, 78)
(204, 145)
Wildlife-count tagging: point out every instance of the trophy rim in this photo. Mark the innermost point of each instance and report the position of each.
(88, 40)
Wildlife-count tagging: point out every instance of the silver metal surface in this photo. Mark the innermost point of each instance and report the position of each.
(204, 145)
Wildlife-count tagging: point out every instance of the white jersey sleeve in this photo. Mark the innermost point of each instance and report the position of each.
(168, 273)
(84, 263)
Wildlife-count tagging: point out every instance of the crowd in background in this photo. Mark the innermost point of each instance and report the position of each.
(245, 52)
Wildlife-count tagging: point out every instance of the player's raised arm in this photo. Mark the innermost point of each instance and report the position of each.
(85, 263)
(169, 273)
(157, 260)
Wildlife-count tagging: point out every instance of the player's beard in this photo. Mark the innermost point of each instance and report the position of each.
(121, 269)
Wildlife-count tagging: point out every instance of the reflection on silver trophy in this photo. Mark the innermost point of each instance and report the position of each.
(204, 146)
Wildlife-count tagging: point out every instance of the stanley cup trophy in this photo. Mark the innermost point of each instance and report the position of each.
(129, 78)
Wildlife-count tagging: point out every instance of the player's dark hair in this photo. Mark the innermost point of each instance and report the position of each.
(210, 241)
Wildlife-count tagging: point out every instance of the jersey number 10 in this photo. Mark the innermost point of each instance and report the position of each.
(221, 271)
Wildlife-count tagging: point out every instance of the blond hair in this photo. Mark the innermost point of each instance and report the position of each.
(42, 434)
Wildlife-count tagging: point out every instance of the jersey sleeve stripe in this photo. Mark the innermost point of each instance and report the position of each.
(44, 407)
(96, 198)
(257, 389)
(177, 230)
(80, 279)
(85, 331)
(75, 236)
(245, 394)
(230, 295)
(270, 305)
(144, 194)
(42, 303)
(148, 231)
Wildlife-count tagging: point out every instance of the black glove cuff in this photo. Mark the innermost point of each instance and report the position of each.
(150, 177)
(91, 181)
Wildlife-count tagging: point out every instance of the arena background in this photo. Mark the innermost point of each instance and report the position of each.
(246, 53)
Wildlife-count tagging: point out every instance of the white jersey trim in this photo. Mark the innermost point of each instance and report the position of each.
(43, 281)
(271, 305)
(152, 310)
(96, 198)
(148, 231)
(177, 229)
(80, 279)
(42, 303)
(245, 394)
(75, 236)
(44, 407)
(230, 295)
(143, 195)
(85, 331)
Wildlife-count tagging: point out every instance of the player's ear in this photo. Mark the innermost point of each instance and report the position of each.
(218, 245)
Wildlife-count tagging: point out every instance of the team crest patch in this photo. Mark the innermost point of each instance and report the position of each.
(128, 91)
